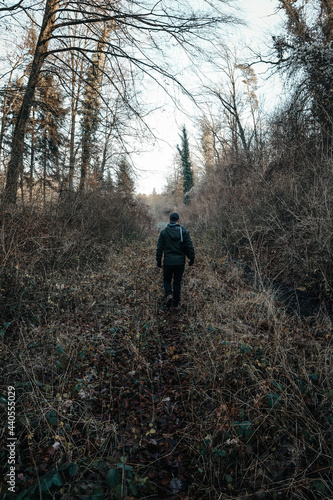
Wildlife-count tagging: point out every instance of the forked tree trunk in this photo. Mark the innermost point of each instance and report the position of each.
(16, 159)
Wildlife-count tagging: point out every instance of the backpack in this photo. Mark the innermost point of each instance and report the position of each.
(183, 245)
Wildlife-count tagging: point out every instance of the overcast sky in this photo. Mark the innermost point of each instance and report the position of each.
(156, 162)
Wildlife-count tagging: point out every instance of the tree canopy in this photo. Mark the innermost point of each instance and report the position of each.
(133, 34)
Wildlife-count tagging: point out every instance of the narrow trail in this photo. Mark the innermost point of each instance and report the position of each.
(153, 408)
(151, 389)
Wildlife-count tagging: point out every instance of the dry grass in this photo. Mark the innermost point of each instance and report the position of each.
(232, 398)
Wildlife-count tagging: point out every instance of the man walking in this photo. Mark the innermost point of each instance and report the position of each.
(173, 242)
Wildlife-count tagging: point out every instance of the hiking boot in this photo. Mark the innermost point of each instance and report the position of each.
(169, 300)
(176, 308)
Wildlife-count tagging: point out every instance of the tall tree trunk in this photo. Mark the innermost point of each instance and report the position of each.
(22, 188)
(7, 108)
(106, 145)
(32, 156)
(72, 150)
(77, 79)
(91, 106)
(44, 166)
(16, 160)
(5, 111)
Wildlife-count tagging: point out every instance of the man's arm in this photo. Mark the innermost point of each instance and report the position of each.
(189, 245)
(160, 250)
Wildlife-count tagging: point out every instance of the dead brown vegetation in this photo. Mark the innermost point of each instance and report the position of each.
(117, 398)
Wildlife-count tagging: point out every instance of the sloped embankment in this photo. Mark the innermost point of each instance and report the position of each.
(118, 398)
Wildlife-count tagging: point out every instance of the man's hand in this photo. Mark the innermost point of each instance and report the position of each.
(159, 264)
(191, 262)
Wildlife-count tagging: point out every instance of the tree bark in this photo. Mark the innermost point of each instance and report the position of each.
(6, 109)
(77, 69)
(92, 105)
(32, 157)
(16, 159)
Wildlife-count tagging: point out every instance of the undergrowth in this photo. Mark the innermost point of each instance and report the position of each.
(118, 398)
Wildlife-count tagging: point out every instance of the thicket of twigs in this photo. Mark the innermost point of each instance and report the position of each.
(278, 218)
(40, 246)
(118, 398)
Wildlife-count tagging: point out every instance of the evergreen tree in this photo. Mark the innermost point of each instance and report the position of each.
(46, 137)
(124, 179)
(184, 152)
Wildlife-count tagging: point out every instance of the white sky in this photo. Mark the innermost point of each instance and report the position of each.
(156, 162)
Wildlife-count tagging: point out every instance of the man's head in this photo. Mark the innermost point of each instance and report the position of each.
(174, 217)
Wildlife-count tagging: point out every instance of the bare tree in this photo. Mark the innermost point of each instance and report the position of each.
(211, 143)
(303, 51)
(75, 62)
(15, 163)
(91, 104)
(7, 8)
(131, 21)
(237, 96)
(13, 60)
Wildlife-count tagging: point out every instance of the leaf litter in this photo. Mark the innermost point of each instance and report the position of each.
(119, 398)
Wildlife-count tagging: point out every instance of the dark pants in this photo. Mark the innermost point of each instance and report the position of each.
(175, 272)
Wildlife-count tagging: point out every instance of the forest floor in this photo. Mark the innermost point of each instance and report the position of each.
(116, 397)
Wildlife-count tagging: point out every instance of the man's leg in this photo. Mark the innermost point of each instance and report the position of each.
(167, 277)
(177, 278)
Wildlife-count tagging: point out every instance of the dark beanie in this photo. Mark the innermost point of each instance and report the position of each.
(174, 217)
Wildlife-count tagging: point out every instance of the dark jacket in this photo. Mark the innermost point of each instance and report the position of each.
(169, 244)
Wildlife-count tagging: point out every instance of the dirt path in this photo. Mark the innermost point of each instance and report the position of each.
(150, 393)
(151, 405)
